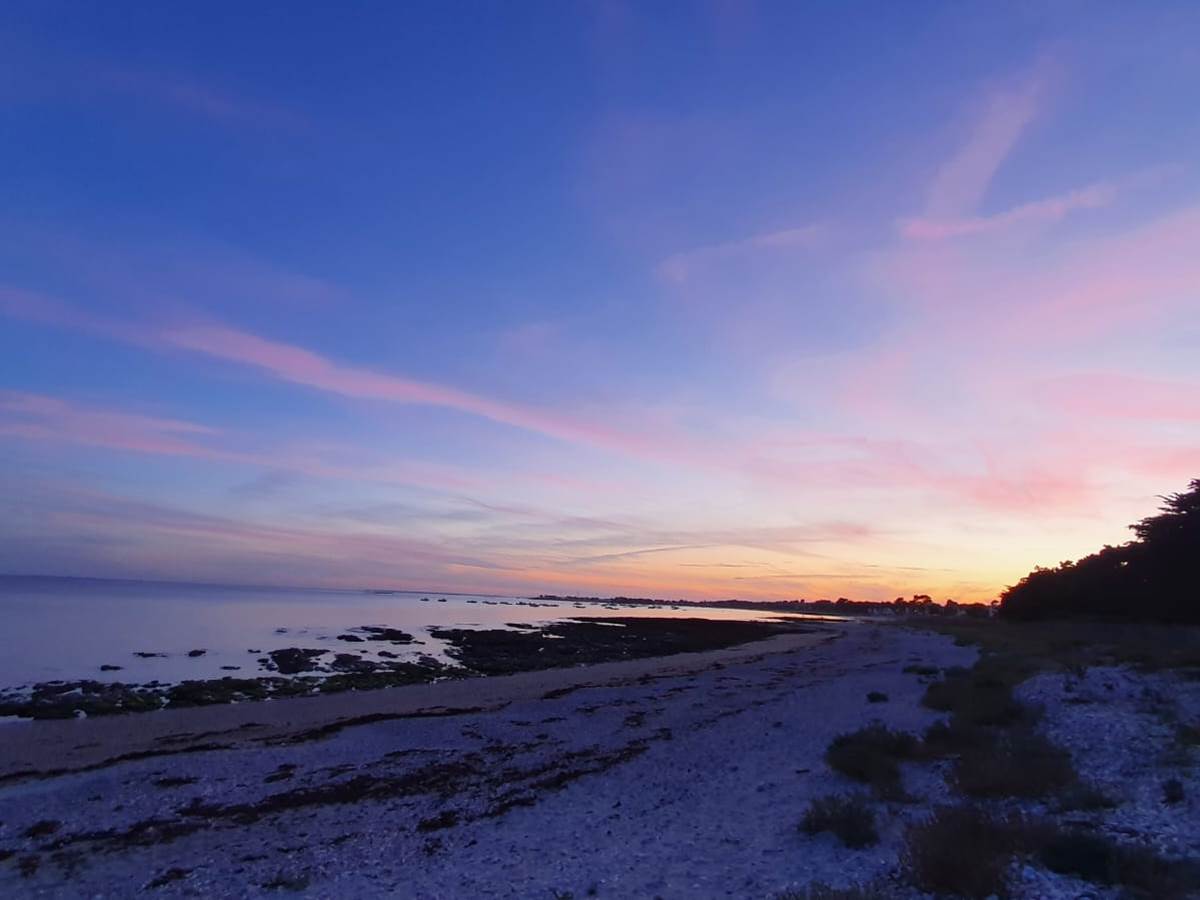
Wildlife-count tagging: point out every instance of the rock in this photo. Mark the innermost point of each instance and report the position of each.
(348, 662)
(394, 635)
(195, 653)
(109, 668)
(293, 660)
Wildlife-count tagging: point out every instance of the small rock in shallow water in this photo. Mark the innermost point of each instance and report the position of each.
(197, 652)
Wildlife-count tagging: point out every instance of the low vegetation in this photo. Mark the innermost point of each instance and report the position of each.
(996, 757)
(1173, 791)
(1020, 763)
(872, 756)
(967, 851)
(849, 817)
(1102, 860)
(963, 851)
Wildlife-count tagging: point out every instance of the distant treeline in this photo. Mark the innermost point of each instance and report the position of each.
(1155, 577)
(921, 604)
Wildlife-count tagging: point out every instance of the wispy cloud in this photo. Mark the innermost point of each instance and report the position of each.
(37, 416)
(1051, 209)
(679, 267)
(193, 96)
(301, 366)
(1004, 114)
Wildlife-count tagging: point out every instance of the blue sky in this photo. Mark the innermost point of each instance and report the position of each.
(711, 299)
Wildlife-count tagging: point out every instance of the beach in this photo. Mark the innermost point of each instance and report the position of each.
(681, 776)
(671, 777)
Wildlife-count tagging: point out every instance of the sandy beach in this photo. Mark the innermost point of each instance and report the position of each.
(678, 777)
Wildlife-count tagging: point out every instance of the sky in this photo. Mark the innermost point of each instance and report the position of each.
(703, 300)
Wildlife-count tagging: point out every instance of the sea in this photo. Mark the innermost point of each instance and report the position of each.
(143, 631)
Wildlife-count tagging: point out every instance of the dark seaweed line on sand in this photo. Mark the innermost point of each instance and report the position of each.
(506, 788)
(312, 734)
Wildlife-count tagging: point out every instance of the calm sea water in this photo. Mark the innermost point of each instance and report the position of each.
(67, 628)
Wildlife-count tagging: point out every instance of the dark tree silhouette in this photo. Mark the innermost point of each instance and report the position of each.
(1155, 577)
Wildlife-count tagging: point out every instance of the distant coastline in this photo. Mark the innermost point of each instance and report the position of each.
(843, 606)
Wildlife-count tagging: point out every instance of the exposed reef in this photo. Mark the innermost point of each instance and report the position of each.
(299, 671)
(592, 640)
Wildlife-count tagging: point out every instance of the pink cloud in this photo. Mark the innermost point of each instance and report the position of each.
(679, 267)
(1115, 395)
(997, 295)
(1052, 209)
(38, 416)
(960, 184)
(301, 366)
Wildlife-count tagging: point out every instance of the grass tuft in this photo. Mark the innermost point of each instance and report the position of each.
(850, 817)
(1082, 796)
(916, 669)
(963, 851)
(978, 697)
(870, 756)
(1173, 791)
(1021, 763)
(1101, 860)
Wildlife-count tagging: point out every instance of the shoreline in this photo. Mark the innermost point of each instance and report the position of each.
(33, 748)
(676, 777)
(702, 775)
(366, 657)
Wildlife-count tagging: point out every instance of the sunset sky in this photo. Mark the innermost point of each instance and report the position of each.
(712, 299)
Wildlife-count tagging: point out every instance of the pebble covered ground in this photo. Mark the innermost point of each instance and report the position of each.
(680, 786)
(1129, 734)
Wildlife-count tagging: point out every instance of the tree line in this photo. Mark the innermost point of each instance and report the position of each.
(1154, 577)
